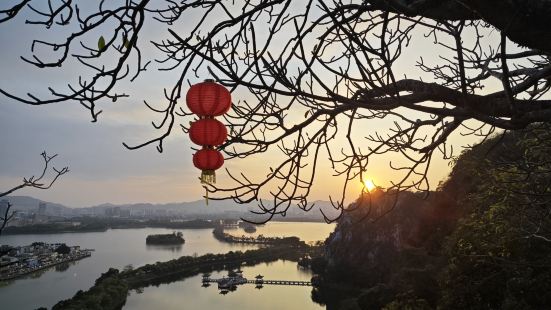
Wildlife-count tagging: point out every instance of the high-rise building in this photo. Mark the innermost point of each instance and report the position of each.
(42, 208)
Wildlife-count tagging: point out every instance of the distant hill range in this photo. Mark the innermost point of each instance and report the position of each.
(192, 209)
(30, 204)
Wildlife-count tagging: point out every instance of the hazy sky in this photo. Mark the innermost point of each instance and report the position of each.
(101, 169)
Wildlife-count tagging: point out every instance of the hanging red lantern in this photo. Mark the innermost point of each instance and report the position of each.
(208, 99)
(208, 131)
(208, 160)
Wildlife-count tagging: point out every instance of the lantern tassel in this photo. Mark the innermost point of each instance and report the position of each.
(208, 177)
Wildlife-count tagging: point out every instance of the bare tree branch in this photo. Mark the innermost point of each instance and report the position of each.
(340, 64)
(38, 182)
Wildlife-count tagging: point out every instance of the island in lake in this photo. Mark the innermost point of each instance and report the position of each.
(173, 238)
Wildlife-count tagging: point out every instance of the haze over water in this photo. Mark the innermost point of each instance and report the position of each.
(121, 247)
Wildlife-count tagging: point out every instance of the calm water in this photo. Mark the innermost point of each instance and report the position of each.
(121, 247)
(308, 232)
(188, 294)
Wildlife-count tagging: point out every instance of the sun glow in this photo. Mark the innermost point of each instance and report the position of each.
(369, 185)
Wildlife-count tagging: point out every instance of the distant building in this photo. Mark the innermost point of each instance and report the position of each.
(3, 207)
(113, 212)
(109, 212)
(137, 212)
(56, 211)
(160, 212)
(42, 208)
(32, 263)
(125, 213)
(148, 212)
(22, 218)
(230, 222)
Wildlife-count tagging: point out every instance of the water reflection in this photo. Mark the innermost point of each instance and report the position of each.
(64, 266)
(192, 293)
(121, 247)
(39, 273)
(308, 232)
(165, 247)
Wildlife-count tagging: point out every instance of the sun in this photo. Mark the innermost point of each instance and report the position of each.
(369, 185)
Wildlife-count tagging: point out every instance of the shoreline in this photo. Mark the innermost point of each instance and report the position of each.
(29, 231)
(112, 287)
(20, 274)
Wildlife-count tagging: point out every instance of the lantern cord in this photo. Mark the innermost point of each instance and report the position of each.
(207, 196)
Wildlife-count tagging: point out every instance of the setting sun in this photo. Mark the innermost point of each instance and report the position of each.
(369, 185)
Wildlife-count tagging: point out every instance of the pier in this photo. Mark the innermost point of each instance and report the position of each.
(280, 282)
(232, 281)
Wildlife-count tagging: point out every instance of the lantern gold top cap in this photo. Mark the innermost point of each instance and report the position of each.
(209, 80)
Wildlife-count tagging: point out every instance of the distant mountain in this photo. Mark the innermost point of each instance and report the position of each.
(30, 204)
(198, 208)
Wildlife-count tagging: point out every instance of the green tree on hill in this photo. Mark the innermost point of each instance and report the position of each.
(500, 254)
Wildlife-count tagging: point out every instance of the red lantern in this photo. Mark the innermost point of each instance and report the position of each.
(208, 99)
(208, 131)
(208, 160)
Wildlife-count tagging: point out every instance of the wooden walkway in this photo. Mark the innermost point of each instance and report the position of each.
(263, 282)
(281, 282)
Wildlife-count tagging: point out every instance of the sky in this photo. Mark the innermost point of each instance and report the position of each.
(101, 169)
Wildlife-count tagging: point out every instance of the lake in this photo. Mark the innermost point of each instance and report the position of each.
(188, 293)
(121, 247)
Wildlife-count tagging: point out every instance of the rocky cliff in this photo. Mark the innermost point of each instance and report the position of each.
(390, 245)
(475, 243)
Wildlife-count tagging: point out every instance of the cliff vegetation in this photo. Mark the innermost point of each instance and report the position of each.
(481, 241)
